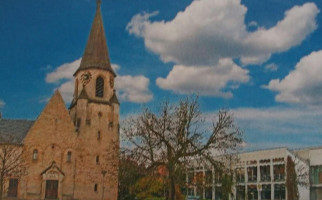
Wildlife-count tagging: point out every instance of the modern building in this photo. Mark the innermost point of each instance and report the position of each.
(262, 175)
(69, 153)
(313, 156)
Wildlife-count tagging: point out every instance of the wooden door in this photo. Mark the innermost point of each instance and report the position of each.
(13, 188)
(51, 189)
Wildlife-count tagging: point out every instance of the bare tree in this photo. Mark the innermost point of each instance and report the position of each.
(177, 134)
(12, 164)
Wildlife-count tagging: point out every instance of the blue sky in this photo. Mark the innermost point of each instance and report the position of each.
(260, 59)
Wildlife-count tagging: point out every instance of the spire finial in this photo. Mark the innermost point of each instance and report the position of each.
(98, 2)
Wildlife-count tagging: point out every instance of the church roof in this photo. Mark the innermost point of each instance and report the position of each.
(14, 131)
(114, 99)
(83, 94)
(96, 51)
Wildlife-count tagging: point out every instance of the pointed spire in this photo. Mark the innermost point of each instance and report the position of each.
(96, 51)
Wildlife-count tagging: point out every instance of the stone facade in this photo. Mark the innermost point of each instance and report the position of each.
(73, 153)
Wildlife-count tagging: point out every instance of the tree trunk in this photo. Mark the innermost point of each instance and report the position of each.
(172, 189)
(1, 187)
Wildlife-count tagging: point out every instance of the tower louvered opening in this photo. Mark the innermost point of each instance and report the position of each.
(99, 87)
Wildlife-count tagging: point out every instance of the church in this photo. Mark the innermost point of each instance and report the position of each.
(68, 153)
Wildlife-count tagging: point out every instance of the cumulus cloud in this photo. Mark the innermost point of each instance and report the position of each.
(303, 85)
(133, 88)
(206, 80)
(272, 67)
(130, 88)
(63, 72)
(2, 103)
(209, 30)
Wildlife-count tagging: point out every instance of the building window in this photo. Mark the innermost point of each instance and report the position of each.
(279, 191)
(99, 87)
(77, 123)
(69, 156)
(110, 125)
(208, 177)
(218, 177)
(252, 174)
(13, 188)
(266, 192)
(35, 154)
(97, 159)
(88, 122)
(218, 193)
(240, 192)
(95, 187)
(265, 173)
(98, 135)
(252, 192)
(316, 174)
(279, 172)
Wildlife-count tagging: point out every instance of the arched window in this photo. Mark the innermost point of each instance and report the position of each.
(98, 135)
(95, 187)
(69, 156)
(35, 154)
(99, 87)
(97, 159)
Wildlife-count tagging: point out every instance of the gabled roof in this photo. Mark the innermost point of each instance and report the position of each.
(14, 131)
(96, 51)
(114, 98)
(83, 94)
(53, 166)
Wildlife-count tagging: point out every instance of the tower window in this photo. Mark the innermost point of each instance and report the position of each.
(98, 135)
(97, 160)
(77, 123)
(95, 188)
(99, 87)
(35, 154)
(110, 125)
(69, 156)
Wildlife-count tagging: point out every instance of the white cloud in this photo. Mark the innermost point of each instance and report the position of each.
(209, 30)
(206, 80)
(64, 71)
(303, 85)
(131, 88)
(115, 67)
(298, 22)
(2, 103)
(253, 23)
(67, 90)
(272, 67)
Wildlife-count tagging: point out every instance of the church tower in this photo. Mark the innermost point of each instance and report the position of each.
(95, 113)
